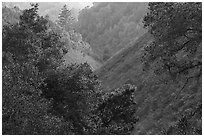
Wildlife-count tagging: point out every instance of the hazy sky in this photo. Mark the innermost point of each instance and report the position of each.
(77, 5)
(82, 4)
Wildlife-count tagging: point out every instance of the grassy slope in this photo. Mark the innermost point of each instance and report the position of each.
(123, 67)
(159, 104)
(76, 56)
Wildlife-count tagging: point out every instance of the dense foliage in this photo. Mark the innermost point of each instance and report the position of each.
(177, 51)
(189, 123)
(74, 94)
(109, 27)
(42, 96)
(118, 118)
(30, 40)
(177, 31)
(30, 50)
(77, 97)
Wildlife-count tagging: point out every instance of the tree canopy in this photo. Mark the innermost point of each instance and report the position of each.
(40, 94)
(177, 31)
(176, 51)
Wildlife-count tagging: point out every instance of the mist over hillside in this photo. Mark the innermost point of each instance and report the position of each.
(52, 8)
(109, 27)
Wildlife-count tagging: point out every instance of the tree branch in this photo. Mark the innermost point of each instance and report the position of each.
(189, 67)
(198, 30)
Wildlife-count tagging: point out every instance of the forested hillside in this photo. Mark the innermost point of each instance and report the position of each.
(120, 69)
(43, 95)
(165, 65)
(109, 27)
(72, 40)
